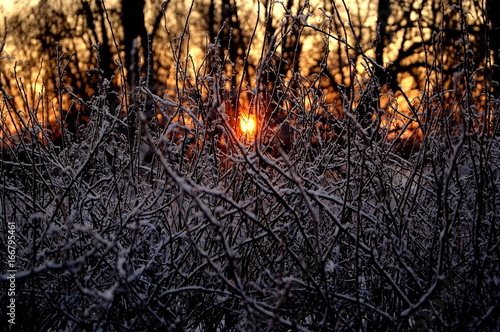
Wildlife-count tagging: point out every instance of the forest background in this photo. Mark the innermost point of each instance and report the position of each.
(385, 46)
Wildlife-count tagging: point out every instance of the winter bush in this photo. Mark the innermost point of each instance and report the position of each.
(157, 213)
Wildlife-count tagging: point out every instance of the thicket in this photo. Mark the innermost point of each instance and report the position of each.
(158, 213)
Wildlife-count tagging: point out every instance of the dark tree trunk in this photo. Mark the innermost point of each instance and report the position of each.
(381, 38)
(133, 27)
(105, 55)
(211, 21)
(369, 101)
(492, 10)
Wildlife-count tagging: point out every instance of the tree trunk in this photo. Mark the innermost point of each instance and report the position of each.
(369, 101)
(105, 55)
(492, 10)
(133, 27)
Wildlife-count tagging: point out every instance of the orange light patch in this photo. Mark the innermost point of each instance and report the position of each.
(248, 125)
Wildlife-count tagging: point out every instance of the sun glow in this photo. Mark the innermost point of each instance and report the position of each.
(248, 125)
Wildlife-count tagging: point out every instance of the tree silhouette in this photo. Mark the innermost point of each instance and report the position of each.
(493, 42)
(406, 41)
(132, 18)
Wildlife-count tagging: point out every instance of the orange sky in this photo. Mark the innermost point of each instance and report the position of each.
(7, 6)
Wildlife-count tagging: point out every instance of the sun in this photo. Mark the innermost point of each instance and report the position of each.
(248, 125)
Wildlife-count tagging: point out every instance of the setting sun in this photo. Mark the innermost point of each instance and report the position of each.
(248, 125)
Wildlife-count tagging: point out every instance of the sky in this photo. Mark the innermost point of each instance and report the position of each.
(6, 6)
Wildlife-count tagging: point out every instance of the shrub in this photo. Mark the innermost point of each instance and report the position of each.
(157, 212)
